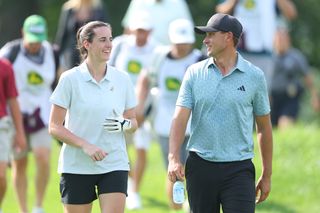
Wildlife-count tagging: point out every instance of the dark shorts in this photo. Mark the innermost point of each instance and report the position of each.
(210, 185)
(83, 189)
(283, 105)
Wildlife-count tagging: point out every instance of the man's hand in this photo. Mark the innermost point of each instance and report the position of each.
(263, 189)
(175, 169)
(20, 142)
(114, 125)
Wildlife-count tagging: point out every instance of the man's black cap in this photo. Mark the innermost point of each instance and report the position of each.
(221, 22)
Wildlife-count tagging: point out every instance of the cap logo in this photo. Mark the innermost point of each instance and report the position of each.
(183, 31)
(37, 29)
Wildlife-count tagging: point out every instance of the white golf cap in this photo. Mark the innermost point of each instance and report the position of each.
(141, 21)
(181, 31)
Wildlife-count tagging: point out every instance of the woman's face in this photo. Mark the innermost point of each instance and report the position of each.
(101, 45)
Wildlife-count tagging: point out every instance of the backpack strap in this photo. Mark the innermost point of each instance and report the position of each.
(202, 57)
(56, 56)
(158, 57)
(118, 42)
(14, 50)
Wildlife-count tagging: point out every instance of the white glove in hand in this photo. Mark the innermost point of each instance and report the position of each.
(114, 125)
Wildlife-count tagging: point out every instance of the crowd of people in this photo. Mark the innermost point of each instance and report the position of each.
(97, 95)
(35, 64)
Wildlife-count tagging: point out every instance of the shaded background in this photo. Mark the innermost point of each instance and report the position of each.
(296, 167)
(305, 31)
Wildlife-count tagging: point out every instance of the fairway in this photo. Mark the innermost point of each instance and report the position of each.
(295, 183)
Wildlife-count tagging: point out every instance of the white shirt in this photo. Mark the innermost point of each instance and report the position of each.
(129, 57)
(259, 23)
(161, 13)
(169, 78)
(88, 103)
(34, 82)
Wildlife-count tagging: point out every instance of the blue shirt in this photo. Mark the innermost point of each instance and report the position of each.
(223, 109)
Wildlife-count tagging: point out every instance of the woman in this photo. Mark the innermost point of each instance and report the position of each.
(74, 14)
(97, 103)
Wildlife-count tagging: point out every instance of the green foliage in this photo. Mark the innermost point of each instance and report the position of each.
(201, 10)
(305, 28)
(12, 14)
(295, 171)
(51, 11)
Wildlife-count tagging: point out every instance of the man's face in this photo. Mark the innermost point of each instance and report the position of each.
(183, 49)
(215, 43)
(141, 36)
(33, 48)
(281, 41)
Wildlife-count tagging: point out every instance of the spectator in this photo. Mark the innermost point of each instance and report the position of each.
(132, 53)
(162, 11)
(260, 19)
(97, 103)
(286, 12)
(290, 66)
(74, 14)
(166, 72)
(8, 97)
(225, 95)
(35, 65)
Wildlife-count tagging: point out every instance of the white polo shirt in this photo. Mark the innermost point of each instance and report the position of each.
(88, 103)
(161, 15)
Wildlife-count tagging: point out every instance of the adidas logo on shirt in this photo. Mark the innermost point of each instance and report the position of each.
(241, 88)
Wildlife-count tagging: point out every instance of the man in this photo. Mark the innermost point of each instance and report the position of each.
(8, 98)
(165, 74)
(132, 53)
(225, 94)
(34, 64)
(162, 13)
(291, 77)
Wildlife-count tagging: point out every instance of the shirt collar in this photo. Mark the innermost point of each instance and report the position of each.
(88, 77)
(240, 65)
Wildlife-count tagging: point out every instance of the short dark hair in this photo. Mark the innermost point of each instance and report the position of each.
(86, 32)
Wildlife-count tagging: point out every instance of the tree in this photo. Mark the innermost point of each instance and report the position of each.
(12, 14)
(305, 30)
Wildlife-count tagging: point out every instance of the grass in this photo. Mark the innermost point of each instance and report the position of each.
(296, 172)
(295, 184)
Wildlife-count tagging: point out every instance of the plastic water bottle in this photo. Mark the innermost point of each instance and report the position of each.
(178, 192)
